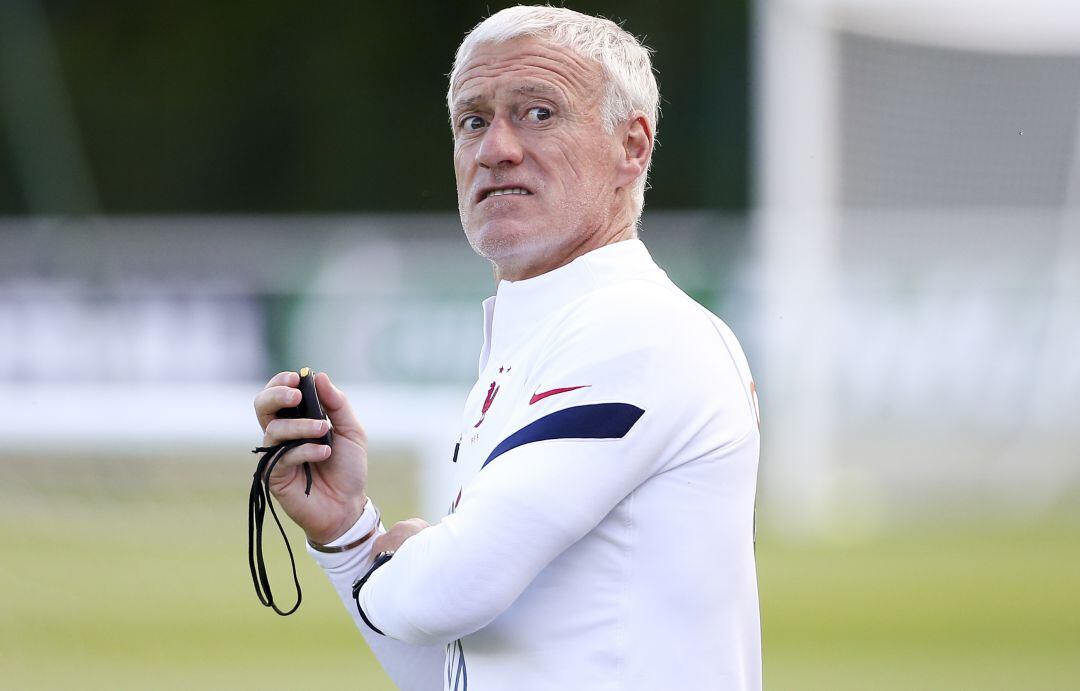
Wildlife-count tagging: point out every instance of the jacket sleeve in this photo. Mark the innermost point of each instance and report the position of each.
(563, 463)
(411, 667)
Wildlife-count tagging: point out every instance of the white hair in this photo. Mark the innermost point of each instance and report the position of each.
(629, 81)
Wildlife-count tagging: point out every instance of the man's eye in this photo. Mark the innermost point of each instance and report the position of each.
(538, 114)
(471, 123)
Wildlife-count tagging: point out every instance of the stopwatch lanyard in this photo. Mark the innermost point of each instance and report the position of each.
(258, 500)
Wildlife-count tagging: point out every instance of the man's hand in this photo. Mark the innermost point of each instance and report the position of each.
(339, 472)
(397, 535)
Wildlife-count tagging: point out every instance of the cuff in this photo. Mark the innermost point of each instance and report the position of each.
(349, 560)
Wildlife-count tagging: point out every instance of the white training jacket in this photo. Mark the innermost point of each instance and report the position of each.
(601, 534)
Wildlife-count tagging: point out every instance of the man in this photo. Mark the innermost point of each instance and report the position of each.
(601, 526)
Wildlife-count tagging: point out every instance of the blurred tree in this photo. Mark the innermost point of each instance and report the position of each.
(276, 107)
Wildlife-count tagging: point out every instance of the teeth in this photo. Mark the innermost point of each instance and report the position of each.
(510, 190)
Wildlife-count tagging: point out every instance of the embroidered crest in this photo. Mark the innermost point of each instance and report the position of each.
(493, 390)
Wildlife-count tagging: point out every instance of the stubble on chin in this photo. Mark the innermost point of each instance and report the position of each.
(511, 245)
(500, 242)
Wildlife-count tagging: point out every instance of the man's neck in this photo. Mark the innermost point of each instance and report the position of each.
(532, 267)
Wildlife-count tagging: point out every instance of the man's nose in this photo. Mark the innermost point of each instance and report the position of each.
(500, 146)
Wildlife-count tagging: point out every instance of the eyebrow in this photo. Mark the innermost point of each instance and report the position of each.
(535, 88)
(467, 103)
(531, 89)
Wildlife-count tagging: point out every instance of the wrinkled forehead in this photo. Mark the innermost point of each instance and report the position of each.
(524, 64)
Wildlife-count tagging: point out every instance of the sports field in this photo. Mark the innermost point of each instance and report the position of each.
(133, 575)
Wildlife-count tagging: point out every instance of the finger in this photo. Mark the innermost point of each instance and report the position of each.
(287, 429)
(284, 379)
(403, 530)
(305, 453)
(336, 405)
(270, 400)
(415, 525)
(398, 535)
(380, 544)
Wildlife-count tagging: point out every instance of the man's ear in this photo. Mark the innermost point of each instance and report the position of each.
(637, 145)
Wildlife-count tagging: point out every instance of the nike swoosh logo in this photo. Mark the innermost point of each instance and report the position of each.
(541, 396)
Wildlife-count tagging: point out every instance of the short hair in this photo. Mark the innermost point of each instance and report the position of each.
(629, 81)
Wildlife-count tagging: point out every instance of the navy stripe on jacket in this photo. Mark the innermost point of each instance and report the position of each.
(594, 421)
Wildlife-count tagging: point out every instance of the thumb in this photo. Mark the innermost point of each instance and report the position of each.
(336, 406)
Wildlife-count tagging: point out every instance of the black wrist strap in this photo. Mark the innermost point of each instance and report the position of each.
(258, 500)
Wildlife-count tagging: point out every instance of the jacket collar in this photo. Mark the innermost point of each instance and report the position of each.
(518, 306)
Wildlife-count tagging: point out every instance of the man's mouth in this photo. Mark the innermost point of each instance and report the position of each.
(503, 191)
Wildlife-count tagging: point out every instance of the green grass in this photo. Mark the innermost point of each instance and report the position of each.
(994, 608)
(134, 576)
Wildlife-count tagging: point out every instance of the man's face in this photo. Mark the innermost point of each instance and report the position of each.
(536, 173)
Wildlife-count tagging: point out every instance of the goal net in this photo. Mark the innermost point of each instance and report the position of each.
(918, 218)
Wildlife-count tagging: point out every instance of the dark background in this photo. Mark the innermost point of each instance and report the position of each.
(333, 107)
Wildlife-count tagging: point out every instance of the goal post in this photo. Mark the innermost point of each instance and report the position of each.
(917, 186)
